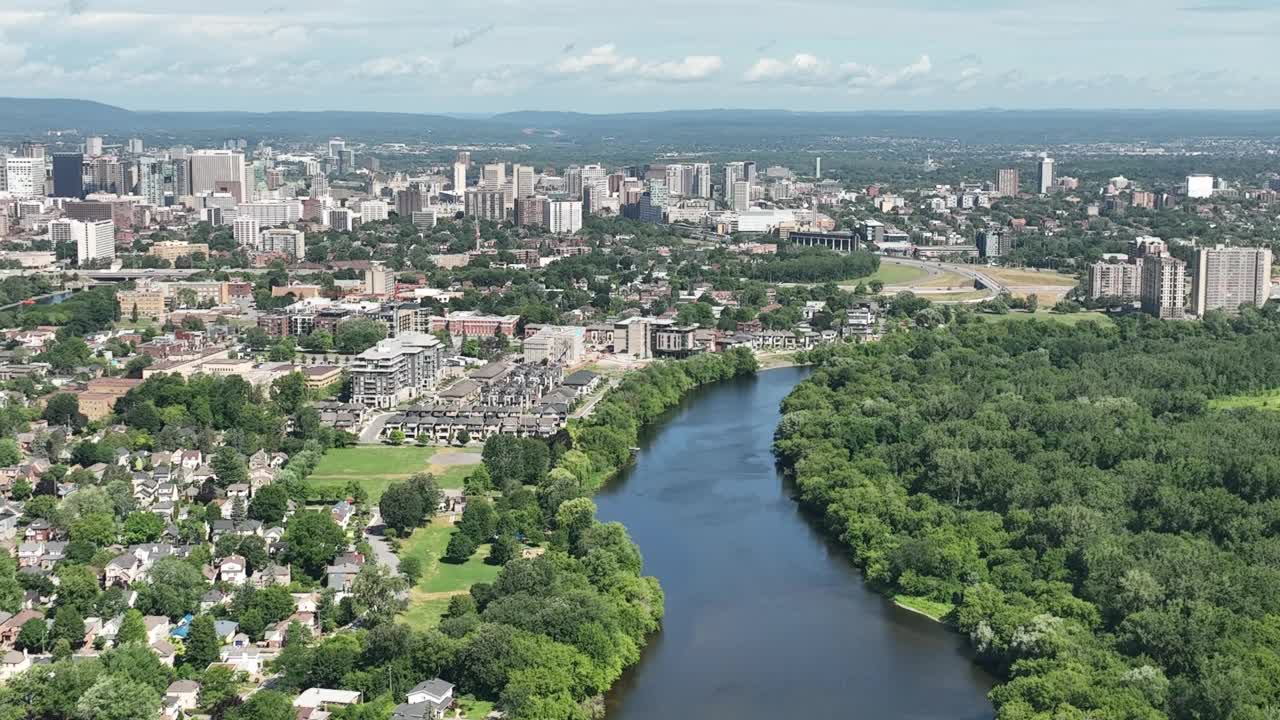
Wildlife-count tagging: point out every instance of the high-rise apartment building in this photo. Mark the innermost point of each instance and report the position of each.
(284, 240)
(245, 231)
(92, 146)
(702, 180)
(1115, 279)
(1224, 278)
(563, 216)
(94, 239)
(530, 211)
(336, 145)
(994, 244)
(741, 195)
(522, 180)
(675, 180)
(459, 177)
(151, 180)
(271, 212)
(341, 219)
(494, 176)
(219, 171)
(1199, 186)
(1163, 290)
(373, 210)
(23, 176)
(68, 175)
(749, 171)
(485, 204)
(1045, 174)
(1007, 182)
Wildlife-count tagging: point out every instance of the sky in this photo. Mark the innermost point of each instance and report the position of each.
(482, 56)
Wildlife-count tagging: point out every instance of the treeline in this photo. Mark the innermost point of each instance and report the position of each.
(812, 265)
(1106, 540)
(603, 442)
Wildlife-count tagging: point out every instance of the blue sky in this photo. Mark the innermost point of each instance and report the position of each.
(585, 55)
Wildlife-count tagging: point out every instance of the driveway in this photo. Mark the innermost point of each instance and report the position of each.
(371, 434)
(381, 550)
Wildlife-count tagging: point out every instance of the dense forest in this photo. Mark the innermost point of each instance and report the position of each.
(814, 265)
(1071, 497)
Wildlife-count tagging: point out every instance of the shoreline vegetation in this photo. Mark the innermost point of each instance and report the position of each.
(1089, 506)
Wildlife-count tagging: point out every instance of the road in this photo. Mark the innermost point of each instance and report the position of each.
(371, 433)
(381, 549)
(586, 409)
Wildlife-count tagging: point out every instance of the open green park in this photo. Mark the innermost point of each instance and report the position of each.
(1046, 315)
(891, 273)
(377, 466)
(429, 598)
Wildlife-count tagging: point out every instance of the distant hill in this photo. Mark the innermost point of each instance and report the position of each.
(723, 127)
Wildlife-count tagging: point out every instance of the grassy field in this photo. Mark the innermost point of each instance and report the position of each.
(929, 608)
(891, 273)
(1265, 400)
(1065, 318)
(945, 279)
(1031, 278)
(376, 467)
(429, 599)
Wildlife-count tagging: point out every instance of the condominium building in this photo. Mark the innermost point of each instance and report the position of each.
(283, 240)
(565, 345)
(1163, 289)
(459, 177)
(395, 370)
(1224, 278)
(1115, 279)
(94, 239)
(1045, 174)
(493, 176)
(146, 301)
(522, 180)
(563, 216)
(1007, 181)
(373, 210)
(245, 231)
(741, 195)
(171, 250)
(23, 176)
(486, 204)
(340, 219)
(269, 213)
(531, 211)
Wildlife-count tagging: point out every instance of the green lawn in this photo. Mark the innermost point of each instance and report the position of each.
(1066, 318)
(891, 273)
(1265, 400)
(429, 599)
(376, 467)
(931, 609)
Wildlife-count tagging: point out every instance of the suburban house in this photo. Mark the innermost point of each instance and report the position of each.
(428, 700)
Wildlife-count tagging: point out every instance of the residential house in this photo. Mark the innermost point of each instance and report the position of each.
(181, 697)
(13, 663)
(428, 700)
(233, 570)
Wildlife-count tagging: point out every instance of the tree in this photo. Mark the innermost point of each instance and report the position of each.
(396, 437)
(138, 663)
(219, 690)
(229, 467)
(10, 454)
(114, 697)
(402, 508)
(269, 504)
(202, 644)
(142, 527)
(173, 589)
(411, 569)
(132, 628)
(34, 636)
(460, 549)
(463, 437)
(254, 551)
(357, 335)
(64, 409)
(289, 393)
(314, 540)
(377, 594)
(77, 587)
(68, 625)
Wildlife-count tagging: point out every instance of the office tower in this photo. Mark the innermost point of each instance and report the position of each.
(107, 175)
(373, 211)
(94, 239)
(1007, 182)
(741, 195)
(485, 204)
(675, 180)
(135, 146)
(573, 181)
(245, 231)
(181, 176)
(1199, 186)
(289, 242)
(23, 176)
(68, 175)
(212, 170)
(1111, 279)
(563, 216)
(1163, 290)
(1045, 176)
(522, 180)
(493, 176)
(93, 146)
(749, 171)
(151, 180)
(31, 150)
(459, 177)
(594, 176)
(464, 157)
(702, 180)
(817, 168)
(336, 145)
(346, 161)
(1224, 278)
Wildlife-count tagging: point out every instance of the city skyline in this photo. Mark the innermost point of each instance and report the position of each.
(505, 56)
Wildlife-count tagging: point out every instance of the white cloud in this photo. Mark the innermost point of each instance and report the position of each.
(801, 69)
(392, 67)
(606, 57)
(805, 69)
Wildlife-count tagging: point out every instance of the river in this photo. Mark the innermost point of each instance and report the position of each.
(765, 619)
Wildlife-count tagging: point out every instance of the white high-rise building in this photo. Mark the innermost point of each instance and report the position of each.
(23, 176)
(271, 212)
(459, 178)
(522, 180)
(245, 231)
(1046, 174)
(336, 145)
(283, 240)
(702, 180)
(135, 146)
(340, 219)
(675, 180)
(741, 195)
(151, 180)
(1199, 186)
(817, 168)
(494, 176)
(373, 210)
(93, 146)
(563, 216)
(213, 168)
(95, 239)
(595, 177)
(1224, 278)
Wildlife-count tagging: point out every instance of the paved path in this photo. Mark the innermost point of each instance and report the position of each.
(586, 409)
(371, 434)
(381, 549)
